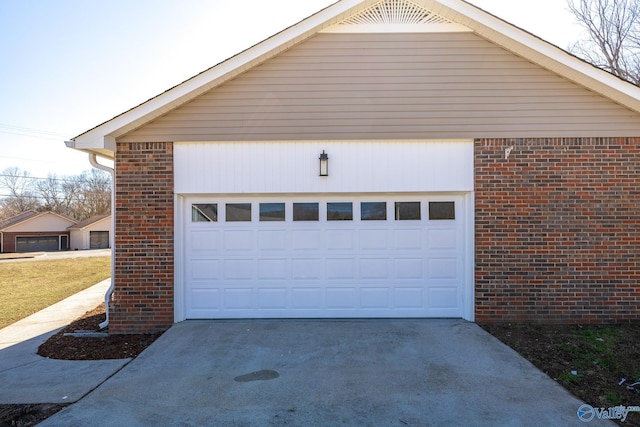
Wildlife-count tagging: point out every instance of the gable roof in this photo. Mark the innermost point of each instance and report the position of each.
(29, 216)
(89, 221)
(374, 16)
(17, 219)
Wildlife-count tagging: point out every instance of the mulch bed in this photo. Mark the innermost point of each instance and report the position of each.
(89, 348)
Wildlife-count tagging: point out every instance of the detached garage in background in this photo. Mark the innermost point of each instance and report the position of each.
(92, 233)
(33, 231)
(390, 158)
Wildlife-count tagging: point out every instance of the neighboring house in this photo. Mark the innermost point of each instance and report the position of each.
(33, 231)
(475, 171)
(92, 233)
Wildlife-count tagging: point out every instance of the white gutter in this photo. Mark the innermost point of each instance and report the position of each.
(107, 297)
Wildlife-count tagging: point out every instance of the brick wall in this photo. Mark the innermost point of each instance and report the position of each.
(557, 230)
(144, 259)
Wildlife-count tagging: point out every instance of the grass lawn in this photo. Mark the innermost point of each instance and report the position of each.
(28, 287)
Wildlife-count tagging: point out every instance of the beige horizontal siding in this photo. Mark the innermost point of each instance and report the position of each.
(393, 86)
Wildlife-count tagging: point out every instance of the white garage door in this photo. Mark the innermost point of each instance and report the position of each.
(319, 257)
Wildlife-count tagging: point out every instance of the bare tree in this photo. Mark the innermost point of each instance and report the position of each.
(95, 194)
(17, 189)
(613, 35)
(79, 197)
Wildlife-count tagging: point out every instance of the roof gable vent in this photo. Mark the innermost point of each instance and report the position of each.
(395, 16)
(395, 12)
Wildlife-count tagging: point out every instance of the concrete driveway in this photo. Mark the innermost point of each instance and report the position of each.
(326, 373)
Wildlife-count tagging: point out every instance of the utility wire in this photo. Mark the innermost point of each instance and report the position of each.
(44, 134)
(39, 161)
(45, 179)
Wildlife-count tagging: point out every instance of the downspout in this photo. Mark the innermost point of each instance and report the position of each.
(107, 297)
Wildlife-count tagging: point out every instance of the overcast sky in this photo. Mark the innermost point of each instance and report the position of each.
(69, 65)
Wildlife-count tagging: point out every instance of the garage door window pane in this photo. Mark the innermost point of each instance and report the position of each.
(407, 211)
(305, 211)
(340, 211)
(442, 210)
(271, 211)
(204, 213)
(372, 211)
(238, 212)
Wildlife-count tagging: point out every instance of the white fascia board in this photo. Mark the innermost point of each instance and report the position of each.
(103, 137)
(537, 51)
(397, 28)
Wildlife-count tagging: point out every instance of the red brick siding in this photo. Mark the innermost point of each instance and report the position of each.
(144, 258)
(557, 235)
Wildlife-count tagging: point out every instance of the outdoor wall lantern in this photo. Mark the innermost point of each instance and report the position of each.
(324, 164)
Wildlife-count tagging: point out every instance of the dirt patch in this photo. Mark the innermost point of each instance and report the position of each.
(64, 347)
(27, 415)
(589, 361)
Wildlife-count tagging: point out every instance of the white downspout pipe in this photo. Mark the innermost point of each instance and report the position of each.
(107, 297)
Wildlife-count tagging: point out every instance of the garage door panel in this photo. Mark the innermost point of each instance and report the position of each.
(273, 298)
(98, 239)
(409, 268)
(204, 240)
(307, 298)
(238, 240)
(37, 243)
(374, 268)
(371, 239)
(273, 269)
(238, 299)
(340, 268)
(238, 269)
(375, 297)
(306, 239)
(443, 239)
(409, 239)
(307, 269)
(272, 240)
(443, 268)
(341, 298)
(443, 298)
(205, 298)
(408, 297)
(204, 269)
(340, 239)
(319, 268)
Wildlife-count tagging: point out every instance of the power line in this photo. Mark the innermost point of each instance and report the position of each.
(39, 133)
(48, 179)
(37, 160)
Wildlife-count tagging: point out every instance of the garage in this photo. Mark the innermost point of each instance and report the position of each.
(37, 243)
(334, 256)
(347, 241)
(98, 239)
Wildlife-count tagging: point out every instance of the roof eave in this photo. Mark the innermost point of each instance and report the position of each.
(539, 51)
(103, 137)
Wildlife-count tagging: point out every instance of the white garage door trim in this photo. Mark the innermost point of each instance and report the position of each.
(464, 220)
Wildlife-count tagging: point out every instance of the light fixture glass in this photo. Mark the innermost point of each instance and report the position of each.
(324, 164)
